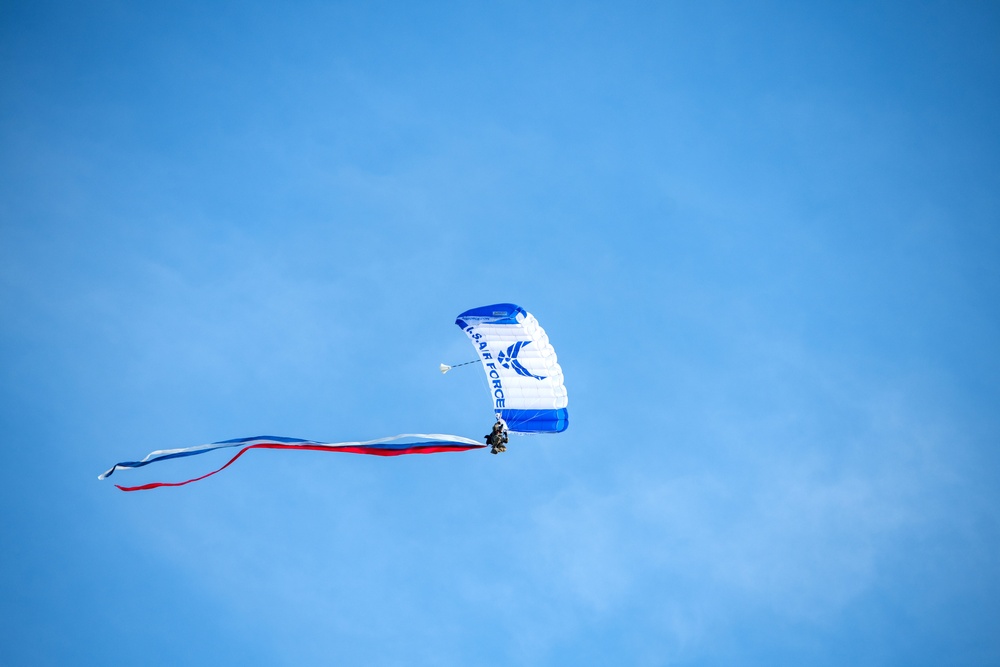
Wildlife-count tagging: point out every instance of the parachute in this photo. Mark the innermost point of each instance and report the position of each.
(525, 379)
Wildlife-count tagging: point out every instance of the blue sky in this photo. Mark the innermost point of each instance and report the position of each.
(763, 240)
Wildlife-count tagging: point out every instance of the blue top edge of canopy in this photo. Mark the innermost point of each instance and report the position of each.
(498, 313)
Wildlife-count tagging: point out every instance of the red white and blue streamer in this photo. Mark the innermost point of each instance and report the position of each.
(397, 445)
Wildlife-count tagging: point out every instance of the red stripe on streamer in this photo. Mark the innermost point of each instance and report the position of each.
(373, 451)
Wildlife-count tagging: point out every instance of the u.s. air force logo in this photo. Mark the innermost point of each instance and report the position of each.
(509, 360)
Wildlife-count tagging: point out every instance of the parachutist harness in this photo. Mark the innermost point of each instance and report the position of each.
(497, 438)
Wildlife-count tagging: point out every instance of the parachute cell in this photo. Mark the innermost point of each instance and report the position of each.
(525, 379)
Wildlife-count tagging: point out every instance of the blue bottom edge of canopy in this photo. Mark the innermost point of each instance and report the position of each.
(535, 421)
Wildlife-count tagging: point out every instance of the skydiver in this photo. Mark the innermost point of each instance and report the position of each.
(497, 438)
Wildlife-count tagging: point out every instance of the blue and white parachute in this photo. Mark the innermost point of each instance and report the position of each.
(525, 379)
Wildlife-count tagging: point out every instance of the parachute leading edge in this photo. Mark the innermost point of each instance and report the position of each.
(525, 378)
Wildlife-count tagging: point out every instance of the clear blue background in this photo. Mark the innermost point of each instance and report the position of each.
(763, 238)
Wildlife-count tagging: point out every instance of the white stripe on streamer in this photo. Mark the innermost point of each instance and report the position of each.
(385, 446)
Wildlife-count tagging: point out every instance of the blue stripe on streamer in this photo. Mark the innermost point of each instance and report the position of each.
(395, 443)
(274, 438)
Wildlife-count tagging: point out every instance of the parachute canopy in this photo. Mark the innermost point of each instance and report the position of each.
(524, 376)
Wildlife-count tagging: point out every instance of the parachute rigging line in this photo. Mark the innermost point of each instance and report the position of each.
(445, 367)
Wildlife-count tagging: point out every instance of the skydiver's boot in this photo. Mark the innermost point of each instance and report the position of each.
(497, 446)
